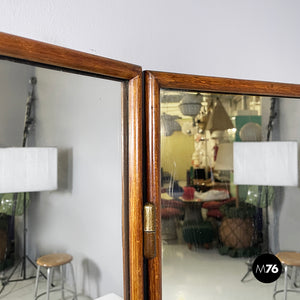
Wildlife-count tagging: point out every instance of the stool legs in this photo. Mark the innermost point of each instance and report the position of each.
(62, 274)
(37, 281)
(285, 281)
(74, 282)
(293, 277)
(292, 286)
(50, 279)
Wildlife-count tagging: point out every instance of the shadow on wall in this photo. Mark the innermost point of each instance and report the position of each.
(65, 170)
(90, 278)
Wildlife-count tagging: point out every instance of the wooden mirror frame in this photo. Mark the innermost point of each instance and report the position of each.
(154, 81)
(38, 53)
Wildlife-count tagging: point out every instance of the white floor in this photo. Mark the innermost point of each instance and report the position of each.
(205, 274)
(24, 290)
(187, 275)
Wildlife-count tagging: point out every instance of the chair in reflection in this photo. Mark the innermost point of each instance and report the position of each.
(198, 230)
(171, 213)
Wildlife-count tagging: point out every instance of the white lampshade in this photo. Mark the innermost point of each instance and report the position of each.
(266, 163)
(28, 169)
(225, 157)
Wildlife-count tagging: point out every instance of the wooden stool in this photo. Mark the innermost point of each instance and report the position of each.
(49, 262)
(288, 259)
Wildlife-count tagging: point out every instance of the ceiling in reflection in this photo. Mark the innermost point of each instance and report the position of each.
(195, 112)
(233, 104)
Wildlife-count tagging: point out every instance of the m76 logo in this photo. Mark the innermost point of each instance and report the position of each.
(267, 268)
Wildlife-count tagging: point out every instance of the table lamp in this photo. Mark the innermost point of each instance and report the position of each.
(24, 170)
(266, 164)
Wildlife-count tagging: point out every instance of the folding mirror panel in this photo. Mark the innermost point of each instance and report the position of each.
(209, 229)
(89, 108)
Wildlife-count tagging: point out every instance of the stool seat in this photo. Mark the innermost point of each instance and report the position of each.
(289, 258)
(54, 260)
(50, 262)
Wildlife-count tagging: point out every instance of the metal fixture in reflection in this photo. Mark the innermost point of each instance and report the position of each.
(218, 118)
(169, 125)
(190, 105)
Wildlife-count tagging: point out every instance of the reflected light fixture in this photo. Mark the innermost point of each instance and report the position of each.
(190, 105)
(29, 169)
(224, 161)
(169, 124)
(218, 119)
(266, 163)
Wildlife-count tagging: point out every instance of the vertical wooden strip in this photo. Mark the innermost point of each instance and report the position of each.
(125, 200)
(153, 177)
(135, 162)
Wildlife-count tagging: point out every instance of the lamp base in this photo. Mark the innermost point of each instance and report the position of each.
(6, 280)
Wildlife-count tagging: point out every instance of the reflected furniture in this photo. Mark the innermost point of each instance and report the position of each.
(197, 230)
(289, 260)
(171, 212)
(198, 234)
(51, 261)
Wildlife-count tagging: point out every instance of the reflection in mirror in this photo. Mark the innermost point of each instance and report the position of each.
(81, 116)
(211, 228)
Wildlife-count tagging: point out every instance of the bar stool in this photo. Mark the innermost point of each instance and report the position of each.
(49, 262)
(288, 259)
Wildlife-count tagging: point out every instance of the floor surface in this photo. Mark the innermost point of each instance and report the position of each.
(187, 275)
(205, 274)
(24, 290)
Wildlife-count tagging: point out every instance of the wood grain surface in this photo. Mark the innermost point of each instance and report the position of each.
(48, 54)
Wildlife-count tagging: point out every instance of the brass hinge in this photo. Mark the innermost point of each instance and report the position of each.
(149, 231)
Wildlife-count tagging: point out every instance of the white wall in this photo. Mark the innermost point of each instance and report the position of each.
(289, 221)
(249, 39)
(14, 87)
(81, 116)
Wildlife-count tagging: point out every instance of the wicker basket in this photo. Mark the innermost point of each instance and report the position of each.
(236, 232)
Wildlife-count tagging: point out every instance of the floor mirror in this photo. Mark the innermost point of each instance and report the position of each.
(201, 250)
(89, 107)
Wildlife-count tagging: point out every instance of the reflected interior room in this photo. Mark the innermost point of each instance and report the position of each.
(208, 223)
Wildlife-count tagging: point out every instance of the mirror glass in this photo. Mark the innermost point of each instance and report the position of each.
(212, 229)
(82, 116)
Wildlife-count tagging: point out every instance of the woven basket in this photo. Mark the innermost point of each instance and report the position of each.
(236, 232)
